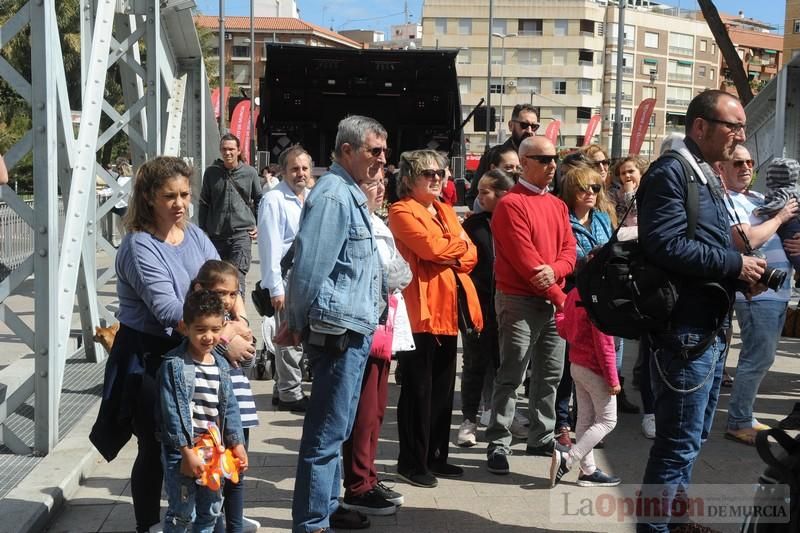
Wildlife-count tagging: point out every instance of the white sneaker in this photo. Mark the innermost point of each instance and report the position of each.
(519, 426)
(249, 525)
(486, 416)
(467, 433)
(649, 426)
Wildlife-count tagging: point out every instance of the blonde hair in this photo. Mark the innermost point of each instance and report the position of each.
(412, 163)
(579, 178)
(592, 149)
(639, 162)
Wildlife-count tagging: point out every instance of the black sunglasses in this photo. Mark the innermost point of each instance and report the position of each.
(594, 187)
(431, 174)
(525, 125)
(735, 127)
(543, 159)
(604, 162)
(741, 162)
(376, 152)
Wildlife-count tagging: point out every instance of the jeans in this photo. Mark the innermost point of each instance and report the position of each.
(327, 424)
(233, 503)
(481, 356)
(527, 331)
(685, 400)
(760, 322)
(237, 249)
(564, 394)
(645, 385)
(190, 507)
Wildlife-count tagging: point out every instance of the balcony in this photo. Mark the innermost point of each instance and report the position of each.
(587, 34)
(627, 97)
(529, 33)
(677, 101)
(675, 76)
(679, 50)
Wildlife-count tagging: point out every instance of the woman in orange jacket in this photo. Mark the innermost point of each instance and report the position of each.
(441, 299)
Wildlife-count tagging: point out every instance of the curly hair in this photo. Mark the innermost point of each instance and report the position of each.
(151, 177)
(580, 177)
(639, 162)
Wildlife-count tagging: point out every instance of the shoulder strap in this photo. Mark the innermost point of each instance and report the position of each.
(692, 194)
(242, 194)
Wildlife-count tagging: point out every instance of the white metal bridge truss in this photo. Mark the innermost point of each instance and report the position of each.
(167, 110)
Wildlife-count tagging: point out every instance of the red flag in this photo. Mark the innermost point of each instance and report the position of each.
(590, 129)
(552, 131)
(245, 138)
(215, 99)
(240, 123)
(641, 121)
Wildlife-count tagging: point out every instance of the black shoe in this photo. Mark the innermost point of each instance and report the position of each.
(447, 470)
(388, 494)
(558, 467)
(347, 519)
(545, 450)
(427, 481)
(369, 503)
(296, 406)
(793, 420)
(497, 463)
(598, 479)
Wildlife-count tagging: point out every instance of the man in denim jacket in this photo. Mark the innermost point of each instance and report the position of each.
(687, 361)
(333, 297)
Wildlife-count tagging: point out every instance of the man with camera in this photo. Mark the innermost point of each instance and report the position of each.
(760, 317)
(687, 359)
(278, 222)
(333, 302)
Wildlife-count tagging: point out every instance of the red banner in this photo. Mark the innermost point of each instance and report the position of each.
(590, 129)
(215, 100)
(245, 138)
(641, 122)
(240, 124)
(552, 131)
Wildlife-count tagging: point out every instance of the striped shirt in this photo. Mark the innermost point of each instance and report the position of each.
(205, 402)
(745, 203)
(241, 389)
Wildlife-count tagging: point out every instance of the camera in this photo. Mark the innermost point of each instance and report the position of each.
(773, 278)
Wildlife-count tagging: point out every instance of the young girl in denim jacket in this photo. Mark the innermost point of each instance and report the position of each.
(195, 391)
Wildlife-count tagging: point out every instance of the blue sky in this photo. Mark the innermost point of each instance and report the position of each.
(380, 14)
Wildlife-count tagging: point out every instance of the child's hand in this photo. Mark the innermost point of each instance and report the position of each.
(240, 453)
(613, 391)
(191, 463)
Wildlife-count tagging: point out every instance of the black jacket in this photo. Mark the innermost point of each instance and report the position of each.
(223, 210)
(478, 228)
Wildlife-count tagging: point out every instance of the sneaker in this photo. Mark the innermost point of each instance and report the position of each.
(563, 438)
(497, 463)
(369, 503)
(467, 433)
(388, 494)
(249, 525)
(519, 425)
(558, 467)
(649, 426)
(295, 406)
(447, 470)
(426, 481)
(598, 479)
(486, 417)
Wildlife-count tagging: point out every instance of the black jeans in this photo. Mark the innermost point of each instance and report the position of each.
(564, 394)
(236, 249)
(645, 385)
(481, 359)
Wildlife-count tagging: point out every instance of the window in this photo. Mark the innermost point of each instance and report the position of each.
(529, 57)
(529, 85)
(496, 87)
(584, 114)
(585, 58)
(713, 49)
(559, 86)
(560, 27)
(241, 74)
(701, 71)
(587, 28)
(703, 45)
(649, 64)
(464, 57)
(500, 26)
(711, 74)
(440, 26)
(629, 34)
(627, 90)
(679, 95)
(465, 26)
(559, 57)
(585, 86)
(627, 63)
(679, 70)
(465, 85)
(675, 121)
(529, 27)
(648, 92)
(650, 39)
(241, 51)
(625, 116)
(796, 26)
(497, 56)
(680, 43)
(557, 113)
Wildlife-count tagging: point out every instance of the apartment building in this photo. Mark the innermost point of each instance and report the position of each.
(759, 48)
(791, 30)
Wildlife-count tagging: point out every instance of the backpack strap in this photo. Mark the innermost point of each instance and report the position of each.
(765, 450)
(692, 194)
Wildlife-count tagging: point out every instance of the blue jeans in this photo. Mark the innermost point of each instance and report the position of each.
(760, 322)
(686, 394)
(329, 419)
(190, 507)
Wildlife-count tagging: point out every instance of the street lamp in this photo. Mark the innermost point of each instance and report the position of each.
(502, 38)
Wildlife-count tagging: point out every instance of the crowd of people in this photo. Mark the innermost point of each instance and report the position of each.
(351, 291)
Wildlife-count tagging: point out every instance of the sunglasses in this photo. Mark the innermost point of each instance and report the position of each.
(604, 162)
(431, 175)
(525, 125)
(376, 152)
(593, 188)
(741, 162)
(543, 159)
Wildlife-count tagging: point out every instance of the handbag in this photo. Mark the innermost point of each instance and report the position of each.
(262, 301)
(382, 338)
(403, 338)
(791, 326)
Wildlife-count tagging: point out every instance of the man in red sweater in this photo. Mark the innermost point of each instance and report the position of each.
(534, 252)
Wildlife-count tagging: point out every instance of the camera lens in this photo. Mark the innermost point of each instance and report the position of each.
(773, 278)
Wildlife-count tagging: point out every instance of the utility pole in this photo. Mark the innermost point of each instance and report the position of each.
(252, 144)
(222, 67)
(616, 140)
(489, 76)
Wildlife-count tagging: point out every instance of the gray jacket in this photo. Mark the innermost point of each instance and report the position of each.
(223, 211)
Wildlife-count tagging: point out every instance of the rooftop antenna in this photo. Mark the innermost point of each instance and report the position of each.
(405, 11)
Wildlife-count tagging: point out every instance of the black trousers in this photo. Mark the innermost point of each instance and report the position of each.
(425, 408)
(236, 249)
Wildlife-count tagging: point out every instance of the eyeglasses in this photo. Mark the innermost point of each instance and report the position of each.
(376, 152)
(525, 125)
(604, 162)
(741, 162)
(431, 174)
(543, 159)
(593, 188)
(735, 127)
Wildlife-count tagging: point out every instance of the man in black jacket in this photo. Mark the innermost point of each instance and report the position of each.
(229, 204)
(687, 361)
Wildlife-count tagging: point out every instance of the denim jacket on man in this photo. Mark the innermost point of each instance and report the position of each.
(336, 277)
(176, 388)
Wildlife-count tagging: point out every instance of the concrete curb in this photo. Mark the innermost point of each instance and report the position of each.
(29, 507)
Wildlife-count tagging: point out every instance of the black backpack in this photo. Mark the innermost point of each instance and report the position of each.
(624, 294)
